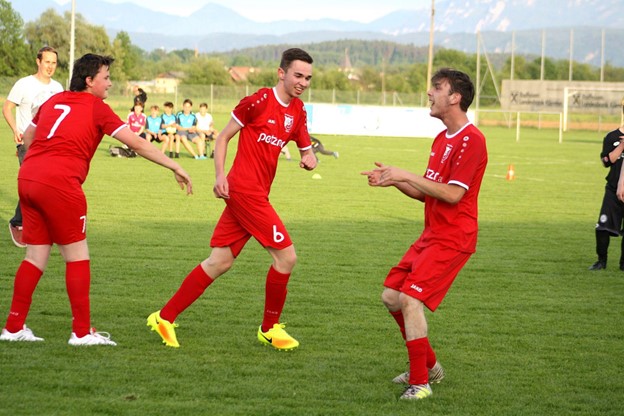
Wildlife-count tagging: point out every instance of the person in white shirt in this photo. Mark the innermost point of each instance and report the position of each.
(26, 97)
(205, 127)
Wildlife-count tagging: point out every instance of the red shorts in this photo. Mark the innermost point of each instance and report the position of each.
(246, 216)
(52, 215)
(427, 273)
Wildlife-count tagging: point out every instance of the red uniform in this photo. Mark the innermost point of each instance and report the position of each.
(136, 121)
(70, 126)
(429, 267)
(267, 125)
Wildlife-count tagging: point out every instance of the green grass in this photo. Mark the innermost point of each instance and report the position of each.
(525, 330)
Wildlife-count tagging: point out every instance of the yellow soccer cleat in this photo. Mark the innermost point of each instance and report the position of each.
(164, 328)
(277, 338)
(416, 392)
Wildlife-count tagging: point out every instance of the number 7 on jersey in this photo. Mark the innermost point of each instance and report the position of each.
(65, 111)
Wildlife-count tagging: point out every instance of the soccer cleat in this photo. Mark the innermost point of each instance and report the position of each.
(164, 328)
(402, 378)
(336, 155)
(24, 334)
(16, 235)
(599, 265)
(277, 338)
(436, 374)
(416, 392)
(92, 338)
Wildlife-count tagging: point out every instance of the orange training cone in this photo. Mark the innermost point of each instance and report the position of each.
(511, 173)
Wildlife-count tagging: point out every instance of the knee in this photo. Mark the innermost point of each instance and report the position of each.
(390, 299)
(286, 263)
(216, 266)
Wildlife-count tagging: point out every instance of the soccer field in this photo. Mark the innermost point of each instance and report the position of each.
(525, 330)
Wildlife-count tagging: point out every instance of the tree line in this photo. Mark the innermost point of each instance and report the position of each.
(375, 65)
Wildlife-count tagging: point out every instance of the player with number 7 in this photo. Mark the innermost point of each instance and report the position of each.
(61, 141)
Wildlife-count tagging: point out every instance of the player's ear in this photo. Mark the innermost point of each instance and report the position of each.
(455, 98)
(281, 73)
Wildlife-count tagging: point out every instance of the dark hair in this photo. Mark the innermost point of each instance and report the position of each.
(168, 104)
(203, 105)
(188, 100)
(85, 67)
(294, 54)
(46, 49)
(460, 83)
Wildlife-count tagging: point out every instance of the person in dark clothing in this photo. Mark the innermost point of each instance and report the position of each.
(612, 210)
(318, 147)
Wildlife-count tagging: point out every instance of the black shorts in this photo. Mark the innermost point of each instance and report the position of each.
(611, 214)
(154, 137)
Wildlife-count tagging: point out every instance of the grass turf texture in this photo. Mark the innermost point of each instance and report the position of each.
(526, 329)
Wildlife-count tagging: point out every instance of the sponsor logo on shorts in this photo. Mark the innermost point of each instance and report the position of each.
(416, 288)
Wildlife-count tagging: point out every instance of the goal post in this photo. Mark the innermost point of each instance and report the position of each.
(519, 118)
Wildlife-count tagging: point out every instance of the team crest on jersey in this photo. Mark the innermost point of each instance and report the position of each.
(288, 122)
(447, 152)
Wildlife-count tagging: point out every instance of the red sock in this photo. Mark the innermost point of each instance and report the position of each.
(398, 317)
(26, 279)
(431, 357)
(78, 283)
(191, 288)
(274, 297)
(417, 352)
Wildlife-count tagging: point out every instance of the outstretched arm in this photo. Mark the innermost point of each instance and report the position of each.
(404, 180)
(149, 152)
(374, 179)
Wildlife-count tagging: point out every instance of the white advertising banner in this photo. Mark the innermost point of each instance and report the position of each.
(590, 97)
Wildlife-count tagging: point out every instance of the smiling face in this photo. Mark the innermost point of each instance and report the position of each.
(296, 79)
(100, 84)
(46, 65)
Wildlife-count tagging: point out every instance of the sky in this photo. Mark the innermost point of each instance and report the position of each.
(271, 10)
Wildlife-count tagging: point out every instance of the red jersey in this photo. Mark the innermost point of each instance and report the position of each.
(136, 121)
(267, 125)
(70, 126)
(460, 160)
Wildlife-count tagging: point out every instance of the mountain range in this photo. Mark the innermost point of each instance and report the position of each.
(215, 28)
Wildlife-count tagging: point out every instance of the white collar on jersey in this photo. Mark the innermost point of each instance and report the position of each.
(458, 131)
(282, 103)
